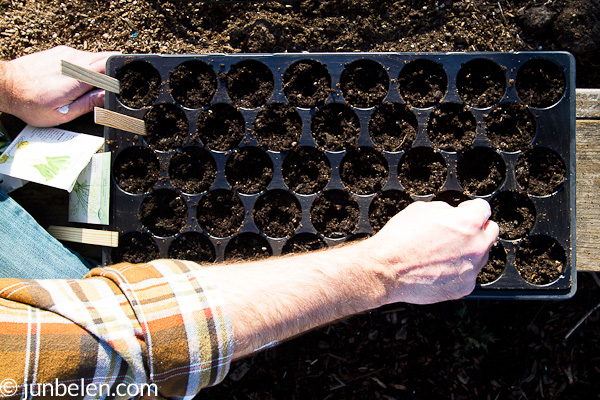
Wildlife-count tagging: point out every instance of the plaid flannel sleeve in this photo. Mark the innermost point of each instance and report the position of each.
(155, 329)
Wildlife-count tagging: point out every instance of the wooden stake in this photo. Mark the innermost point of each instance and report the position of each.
(119, 121)
(92, 77)
(83, 235)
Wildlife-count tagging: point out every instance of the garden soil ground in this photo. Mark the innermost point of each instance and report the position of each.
(457, 350)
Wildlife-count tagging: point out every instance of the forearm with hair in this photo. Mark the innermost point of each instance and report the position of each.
(5, 87)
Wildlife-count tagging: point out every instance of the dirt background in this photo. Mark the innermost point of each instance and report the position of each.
(457, 350)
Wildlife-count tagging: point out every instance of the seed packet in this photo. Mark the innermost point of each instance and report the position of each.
(7, 183)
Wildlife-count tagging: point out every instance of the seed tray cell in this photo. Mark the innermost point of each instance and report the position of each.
(252, 155)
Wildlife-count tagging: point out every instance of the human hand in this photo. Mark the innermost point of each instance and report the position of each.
(33, 89)
(432, 252)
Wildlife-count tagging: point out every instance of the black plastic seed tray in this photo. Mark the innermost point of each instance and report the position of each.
(263, 154)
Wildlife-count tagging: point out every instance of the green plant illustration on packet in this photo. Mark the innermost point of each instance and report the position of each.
(53, 166)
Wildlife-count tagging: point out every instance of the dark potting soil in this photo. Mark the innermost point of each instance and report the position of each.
(247, 246)
(278, 127)
(540, 83)
(192, 246)
(193, 84)
(364, 83)
(481, 83)
(302, 243)
(249, 170)
(335, 127)
(192, 170)
(249, 84)
(136, 170)
(364, 170)
(221, 127)
(514, 213)
(451, 127)
(385, 205)
(422, 171)
(307, 84)
(277, 214)
(495, 266)
(393, 127)
(220, 213)
(306, 170)
(540, 259)
(480, 171)
(163, 212)
(334, 213)
(422, 83)
(140, 83)
(135, 247)
(452, 197)
(540, 171)
(167, 127)
(511, 127)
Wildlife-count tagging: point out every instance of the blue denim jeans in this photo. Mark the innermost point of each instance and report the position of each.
(27, 251)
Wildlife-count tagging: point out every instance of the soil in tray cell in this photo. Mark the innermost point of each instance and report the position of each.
(302, 243)
(481, 83)
(335, 127)
(221, 127)
(495, 266)
(540, 83)
(514, 213)
(480, 171)
(192, 246)
(192, 170)
(510, 127)
(307, 83)
(135, 247)
(193, 84)
(451, 127)
(452, 197)
(136, 170)
(250, 84)
(364, 170)
(422, 83)
(540, 171)
(540, 260)
(385, 205)
(249, 170)
(393, 127)
(278, 127)
(247, 246)
(163, 212)
(220, 213)
(422, 171)
(334, 213)
(167, 127)
(364, 83)
(306, 170)
(140, 83)
(277, 214)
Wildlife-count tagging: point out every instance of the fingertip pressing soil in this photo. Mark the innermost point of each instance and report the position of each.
(422, 171)
(221, 127)
(193, 84)
(167, 127)
(540, 259)
(422, 83)
(278, 127)
(334, 213)
(249, 170)
(307, 84)
(364, 170)
(540, 171)
(135, 247)
(140, 83)
(511, 127)
(451, 127)
(495, 266)
(136, 170)
(335, 127)
(277, 214)
(192, 246)
(393, 127)
(306, 170)
(247, 246)
(220, 213)
(452, 197)
(385, 205)
(480, 171)
(303, 243)
(192, 170)
(250, 84)
(514, 213)
(163, 212)
(540, 83)
(481, 83)
(364, 83)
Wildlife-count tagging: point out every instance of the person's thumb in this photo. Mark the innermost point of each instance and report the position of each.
(82, 105)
